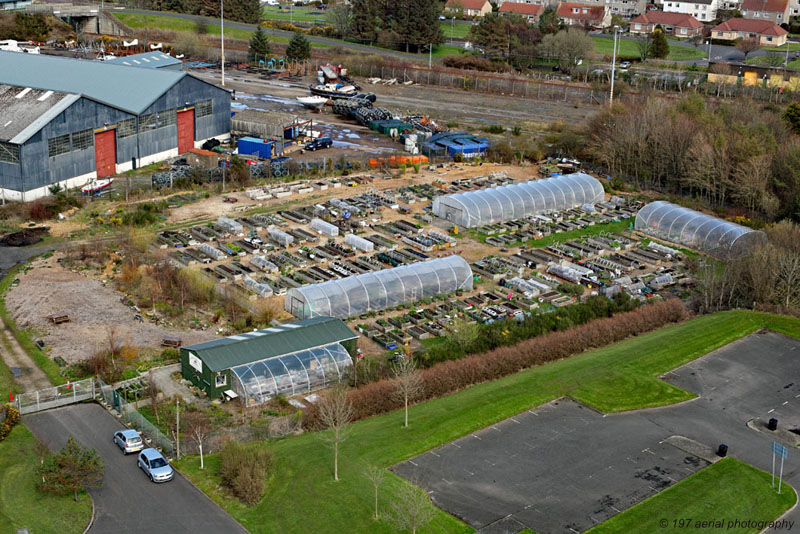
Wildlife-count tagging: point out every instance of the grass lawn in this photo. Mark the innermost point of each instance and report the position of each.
(162, 22)
(725, 491)
(295, 15)
(623, 376)
(629, 49)
(615, 227)
(459, 31)
(22, 505)
(25, 337)
(793, 47)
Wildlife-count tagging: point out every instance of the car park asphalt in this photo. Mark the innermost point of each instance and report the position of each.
(564, 467)
(127, 502)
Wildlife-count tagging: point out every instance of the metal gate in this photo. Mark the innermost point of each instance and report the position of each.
(44, 399)
(185, 131)
(105, 153)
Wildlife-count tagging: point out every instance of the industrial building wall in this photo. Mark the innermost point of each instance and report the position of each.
(188, 93)
(37, 169)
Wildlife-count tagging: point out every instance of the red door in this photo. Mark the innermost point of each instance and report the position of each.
(105, 153)
(185, 131)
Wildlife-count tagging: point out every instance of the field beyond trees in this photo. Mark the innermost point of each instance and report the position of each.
(623, 376)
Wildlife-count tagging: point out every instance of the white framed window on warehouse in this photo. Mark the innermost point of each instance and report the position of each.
(221, 379)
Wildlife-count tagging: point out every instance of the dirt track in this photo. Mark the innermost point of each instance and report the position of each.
(93, 308)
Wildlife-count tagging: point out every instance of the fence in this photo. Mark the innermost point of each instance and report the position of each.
(44, 399)
(135, 419)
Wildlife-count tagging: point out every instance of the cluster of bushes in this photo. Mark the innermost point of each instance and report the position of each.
(144, 214)
(50, 207)
(506, 333)
(244, 470)
(9, 416)
(448, 377)
(475, 63)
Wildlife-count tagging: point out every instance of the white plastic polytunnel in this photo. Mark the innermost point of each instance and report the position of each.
(355, 295)
(515, 201)
(706, 233)
(359, 242)
(323, 227)
(291, 374)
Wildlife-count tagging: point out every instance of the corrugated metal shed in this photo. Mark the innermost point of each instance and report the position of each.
(131, 90)
(284, 339)
(25, 111)
(148, 60)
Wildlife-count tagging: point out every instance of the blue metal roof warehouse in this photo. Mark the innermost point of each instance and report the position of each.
(68, 121)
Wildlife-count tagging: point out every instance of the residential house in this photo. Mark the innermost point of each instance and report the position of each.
(702, 10)
(469, 8)
(531, 11)
(765, 31)
(772, 10)
(584, 15)
(678, 24)
(622, 8)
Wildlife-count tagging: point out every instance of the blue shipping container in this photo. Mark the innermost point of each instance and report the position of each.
(250, 146)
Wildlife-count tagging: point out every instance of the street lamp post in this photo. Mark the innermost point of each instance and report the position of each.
(222, 36)
(453, 27)
(709, 52)
(613, 67)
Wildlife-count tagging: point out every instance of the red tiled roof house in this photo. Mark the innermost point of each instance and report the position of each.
(584, 15)
(765, 32)
(531, 11)
(771, 10)
(678, 24)
(470, 8)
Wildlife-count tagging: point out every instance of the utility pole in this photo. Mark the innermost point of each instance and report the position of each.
(787, 54)
(452, 28)
(613, 67)
(709, 51)
(222, 36)
(430, 56)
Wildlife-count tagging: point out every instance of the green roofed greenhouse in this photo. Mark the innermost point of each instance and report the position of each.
(290, 359)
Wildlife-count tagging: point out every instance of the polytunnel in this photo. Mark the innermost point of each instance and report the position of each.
(706, 233)
(515, 201)
(355, 295)
(291, 374)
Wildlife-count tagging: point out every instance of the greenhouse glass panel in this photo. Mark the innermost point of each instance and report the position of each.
(706, 233)
(515, 201)
(291, 374)
(379, 290)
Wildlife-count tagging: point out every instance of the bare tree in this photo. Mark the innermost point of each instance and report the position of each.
(335, 414)
(407, 381)
(745, 46)
(113, 346)
(375, 475)
(341, 18)
(198, 428)
(42, 451)
(644, 43)
(412, 509)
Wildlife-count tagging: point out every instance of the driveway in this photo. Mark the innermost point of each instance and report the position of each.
(128, 503)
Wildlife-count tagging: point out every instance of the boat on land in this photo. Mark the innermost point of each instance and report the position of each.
(313, 102)
(333, 91)
(97, 186)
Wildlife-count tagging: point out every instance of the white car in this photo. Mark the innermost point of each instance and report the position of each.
(625, 65)
(128, 440)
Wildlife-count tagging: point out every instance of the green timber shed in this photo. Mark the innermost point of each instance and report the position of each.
(289, 359)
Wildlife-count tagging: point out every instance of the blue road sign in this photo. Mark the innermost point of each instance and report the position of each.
(780, 450)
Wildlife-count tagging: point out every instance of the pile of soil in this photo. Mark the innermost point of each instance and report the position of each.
(23, 238)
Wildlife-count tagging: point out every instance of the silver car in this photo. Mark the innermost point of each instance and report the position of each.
(155, 466)
(128, 440)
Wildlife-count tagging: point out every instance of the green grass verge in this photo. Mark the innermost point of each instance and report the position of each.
(295, 15)
(620, 377)
(459, 31)
(614, 227)
(708, 501)
(25, 337)
(22, 505)
(629, 49)
(793, 47)
(162, 22)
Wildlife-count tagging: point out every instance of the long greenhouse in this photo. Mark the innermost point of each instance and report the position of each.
(355, 295)
(706, 233)
(515, 201)
(289, 359)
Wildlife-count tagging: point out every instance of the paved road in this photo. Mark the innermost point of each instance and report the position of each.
(128, 503)
(563, 467)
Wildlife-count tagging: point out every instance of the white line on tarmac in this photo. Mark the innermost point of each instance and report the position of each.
(476, 437)
(447, 481)
(470, 472)
(433, 453)
(515, 421)
(785, 403)
(531, 411)
(496, 428)
(614, 508)
(772, 410)
(412, 463)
